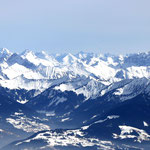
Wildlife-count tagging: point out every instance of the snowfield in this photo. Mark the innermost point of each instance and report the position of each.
(84, 73)
(127, 133)
(21, 121)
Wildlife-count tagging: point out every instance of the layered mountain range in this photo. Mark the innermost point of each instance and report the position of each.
(74, 101)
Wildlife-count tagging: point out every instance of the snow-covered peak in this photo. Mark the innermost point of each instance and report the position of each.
(28, 54)
(26, 51)
(4, 54)
(103, 69)
(69, 59)
(5, 51)
(42, 55)
(36, 59)
(137, 59)
(82, 54)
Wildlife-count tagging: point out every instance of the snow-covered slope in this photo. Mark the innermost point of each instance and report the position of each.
(70, 91)
(125, 127)
(17, 120)
(84, 73)
(61, 139)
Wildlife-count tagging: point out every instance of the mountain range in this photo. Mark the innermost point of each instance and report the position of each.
(74, 101)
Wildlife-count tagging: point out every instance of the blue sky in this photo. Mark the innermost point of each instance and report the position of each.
(101, 26)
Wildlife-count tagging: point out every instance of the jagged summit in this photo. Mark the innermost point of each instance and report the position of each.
(100, 96)
(4, 54)
(37, 67)
(4, 50)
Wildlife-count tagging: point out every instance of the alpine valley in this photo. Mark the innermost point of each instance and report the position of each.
(82, 101)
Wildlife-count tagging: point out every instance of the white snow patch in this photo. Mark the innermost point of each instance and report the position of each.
(1, 130)
(119, 91)
(22, 122)
(128, 132)
(76, 106)
(61, 100)
(145, 124)
(64, 87)
(22, 101)
(94, 116)
(108, 117)
(65, 119)
(84, 127)
(70, 137)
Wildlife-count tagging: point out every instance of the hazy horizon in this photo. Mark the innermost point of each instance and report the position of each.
(75, 52)
(99, 26)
